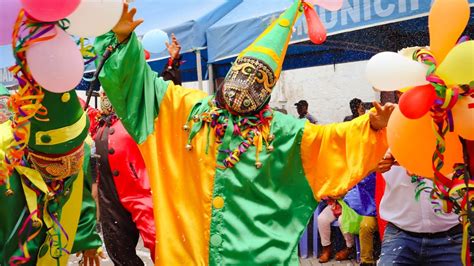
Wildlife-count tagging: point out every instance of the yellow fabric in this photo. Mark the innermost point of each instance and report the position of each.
(70, 215)
(30, 195)
(368, 227)
(186, 209)
(333, 157)
(267, 51)
(61, 135)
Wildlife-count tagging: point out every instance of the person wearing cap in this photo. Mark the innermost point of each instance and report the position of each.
(357, 109)
(46, 205)
(233, 181)
(302, 109)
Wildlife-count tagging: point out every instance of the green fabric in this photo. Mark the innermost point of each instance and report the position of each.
(277, 38)
(4, 91)
(267, 209)
(350, 220)
(13, 213)
(136, 100)
(86, 236)
(60, 114)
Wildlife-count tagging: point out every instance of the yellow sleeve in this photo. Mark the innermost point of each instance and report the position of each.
(336, 157)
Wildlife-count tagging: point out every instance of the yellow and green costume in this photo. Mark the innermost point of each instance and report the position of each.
(47, 212)
(233, 189)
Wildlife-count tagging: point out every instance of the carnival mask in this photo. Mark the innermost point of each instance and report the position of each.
(248, 85)
(105, 105)
(5, 112)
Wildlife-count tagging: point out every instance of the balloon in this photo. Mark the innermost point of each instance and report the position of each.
(389, 71)
(50, 10)
(316, 31)
(417, 101)
(331, 5)
(147, 55)
(6, 56)
(56, 64)
(95, 17)
(463, 116)
(8, 12)
(446, 23)
(458, 66)
(412, 143)
(154, 41)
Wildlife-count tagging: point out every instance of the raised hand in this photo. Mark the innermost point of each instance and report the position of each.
(379, 119)
(174, 48)
(126, 24)
(91, 257)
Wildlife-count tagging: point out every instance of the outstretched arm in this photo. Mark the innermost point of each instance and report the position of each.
(133, 88)
(336, 157)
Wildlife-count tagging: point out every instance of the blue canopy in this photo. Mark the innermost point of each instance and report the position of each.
(188, 21)
(235, 31)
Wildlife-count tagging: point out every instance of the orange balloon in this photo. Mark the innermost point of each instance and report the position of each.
(463, 116)
(412, 143)
(447, 21)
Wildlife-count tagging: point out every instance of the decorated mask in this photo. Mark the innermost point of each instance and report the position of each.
(5, 113)
(105, 105)
(249, 83)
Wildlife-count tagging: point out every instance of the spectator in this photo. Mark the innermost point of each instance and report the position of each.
(415, 233)
(302, 109)
(357, 109)
(361, 199)
(325, 218)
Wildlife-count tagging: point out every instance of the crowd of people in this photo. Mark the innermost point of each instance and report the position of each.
(400, 216)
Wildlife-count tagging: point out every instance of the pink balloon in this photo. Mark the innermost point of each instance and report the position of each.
(8, 13)
(56, 64)
(50, 10)
(331, 5)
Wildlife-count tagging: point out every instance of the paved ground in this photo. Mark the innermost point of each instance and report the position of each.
(145, 256)
(142, 252)
(314, 261)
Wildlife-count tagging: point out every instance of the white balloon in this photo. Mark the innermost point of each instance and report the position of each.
(389, 71)
(95, 17)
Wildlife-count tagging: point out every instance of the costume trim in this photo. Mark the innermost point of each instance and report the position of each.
(61, 135)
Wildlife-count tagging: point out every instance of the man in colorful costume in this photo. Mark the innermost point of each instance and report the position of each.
(234, 183)
(46, 205)
(125, 201)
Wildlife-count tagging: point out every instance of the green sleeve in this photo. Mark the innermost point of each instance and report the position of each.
(86, 235)
(133, 88)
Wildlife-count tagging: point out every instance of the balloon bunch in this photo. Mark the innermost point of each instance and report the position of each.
(436, 110)
(46, 56)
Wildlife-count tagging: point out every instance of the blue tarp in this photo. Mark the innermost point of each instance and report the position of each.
(187, 19)
(235, 31)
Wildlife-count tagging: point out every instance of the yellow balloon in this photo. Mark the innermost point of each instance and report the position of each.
(458, 66)
(446, 22)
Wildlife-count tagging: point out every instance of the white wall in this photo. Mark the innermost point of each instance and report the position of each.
(328, 90)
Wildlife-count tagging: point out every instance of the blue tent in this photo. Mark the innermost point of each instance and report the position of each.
(356, 32)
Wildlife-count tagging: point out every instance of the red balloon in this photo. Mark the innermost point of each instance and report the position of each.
(316, 31)
(416, 102)
(147, 55)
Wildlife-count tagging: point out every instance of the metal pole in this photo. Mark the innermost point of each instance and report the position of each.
(210, 70)
(199, 68)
